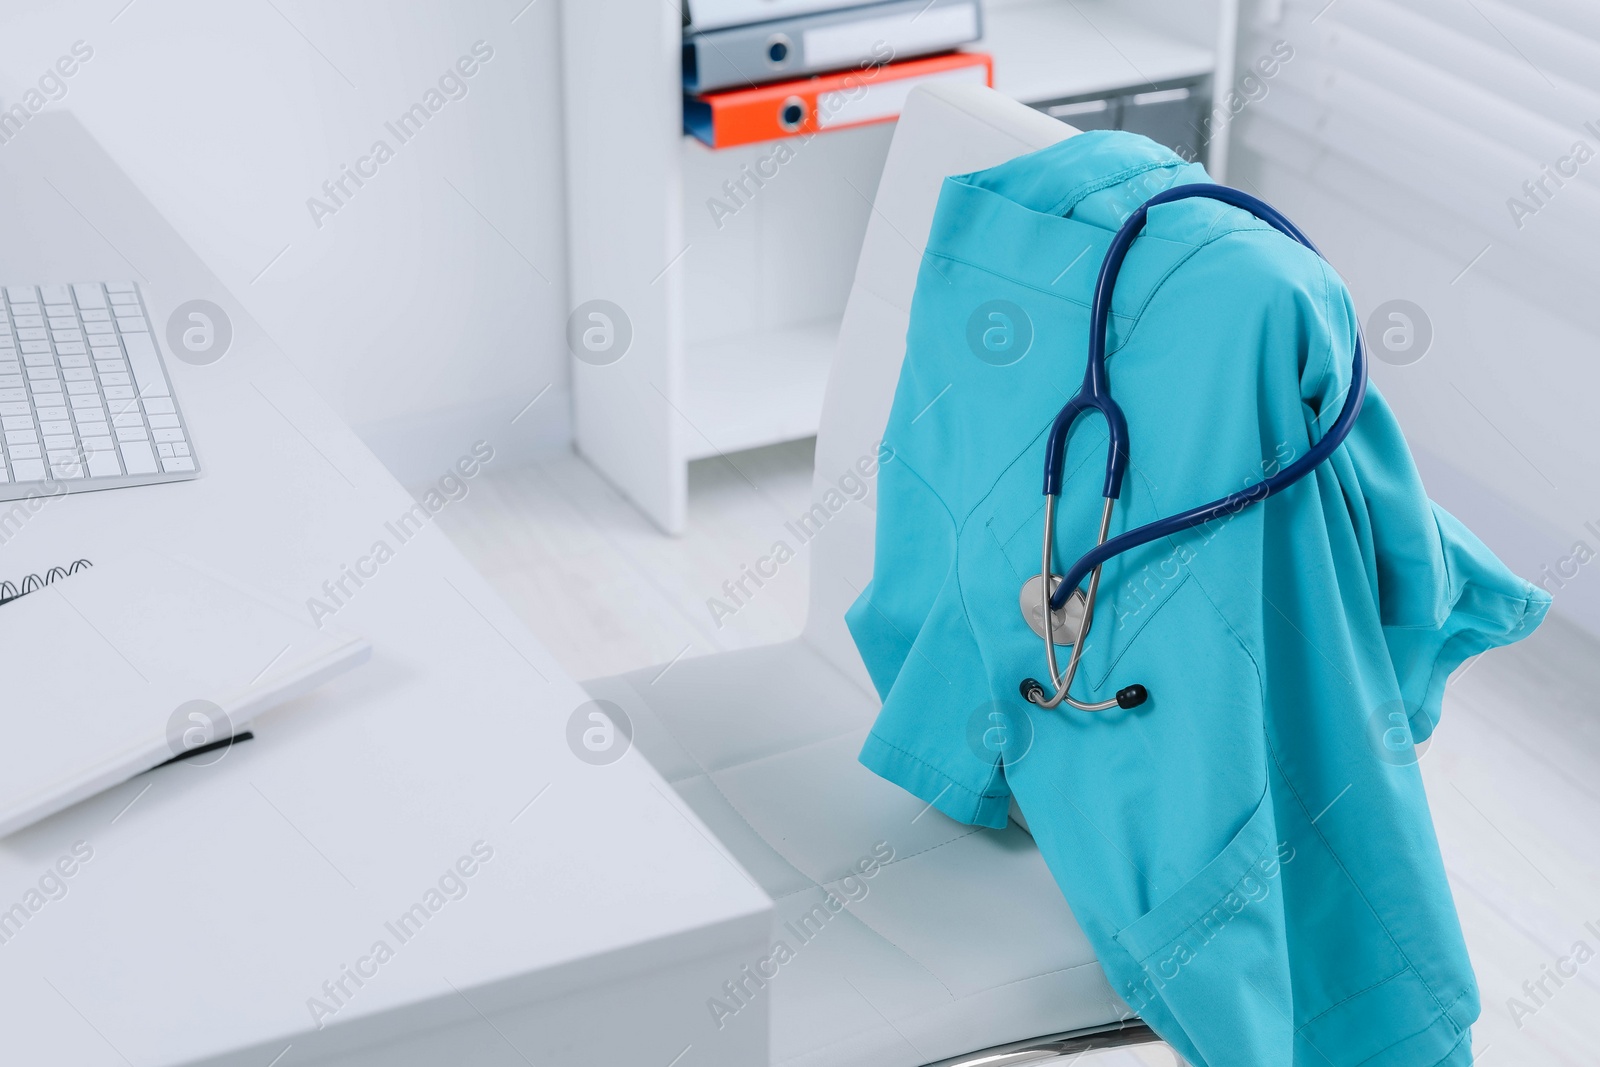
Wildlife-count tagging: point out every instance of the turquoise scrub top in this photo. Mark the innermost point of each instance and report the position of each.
(1249, 852)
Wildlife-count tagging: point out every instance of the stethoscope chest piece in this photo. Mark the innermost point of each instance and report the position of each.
(1067, 618)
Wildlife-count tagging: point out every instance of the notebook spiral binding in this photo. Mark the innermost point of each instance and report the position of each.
(10, 591)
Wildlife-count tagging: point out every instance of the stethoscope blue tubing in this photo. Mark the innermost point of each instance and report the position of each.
(1095, 394)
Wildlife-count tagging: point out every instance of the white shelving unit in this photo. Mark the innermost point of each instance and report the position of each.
(734, 308)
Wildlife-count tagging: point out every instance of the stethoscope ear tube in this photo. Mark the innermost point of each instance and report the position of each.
(1233, 502)
(1095, 394)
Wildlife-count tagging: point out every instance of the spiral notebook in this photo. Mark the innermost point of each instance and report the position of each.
(127, 663)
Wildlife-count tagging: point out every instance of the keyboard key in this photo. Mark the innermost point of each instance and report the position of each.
(35, 346)
(63, 322)
(13, 393)
(14, 408)
(32, 451)
(38, 359)
(44, 385)
(27, 470)
(119, 287)
(79, 388)
(104, 465)
(77, 374)
(54, 294)
(179, 448)
(35, 334)
(124, 298)
(146, 365)
(28, 308)
(156, 421)
(21, 294)
(72, 361)
(60, 441)
(89, 295)
(159, 405)
(100, 315)
(21, 437)
(130, 418)
(95, 429)
(111, 366)
(132, 324)
(138, 458)
(71, 348)
(70, 468)
(60, 426)
(53, 413)
(176, 464)
(17, 422)
(132, 433)
(118, 392)
(20, 321)
(164, 450)
(115, 379)
(92, 328)
(4, 476)
(165, 435)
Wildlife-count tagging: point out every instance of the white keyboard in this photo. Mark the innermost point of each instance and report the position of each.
(85, 402)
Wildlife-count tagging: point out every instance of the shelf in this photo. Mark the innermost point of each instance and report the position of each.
(781, 250)
(1046, 50)
(755, 389)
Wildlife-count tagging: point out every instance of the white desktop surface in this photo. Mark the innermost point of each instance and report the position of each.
(219, 899)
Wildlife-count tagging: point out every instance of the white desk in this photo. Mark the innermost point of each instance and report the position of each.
(219, 900)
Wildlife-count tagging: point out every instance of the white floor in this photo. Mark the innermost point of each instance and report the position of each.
(1513, 774)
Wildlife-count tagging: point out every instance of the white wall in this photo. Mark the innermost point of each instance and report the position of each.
(418, 308)
(1395, 137)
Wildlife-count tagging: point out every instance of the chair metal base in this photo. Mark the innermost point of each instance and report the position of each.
(1057, 1046)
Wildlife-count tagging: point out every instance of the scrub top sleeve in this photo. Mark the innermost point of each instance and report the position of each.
(914, 555)
(1442, 595)
(1485, 606)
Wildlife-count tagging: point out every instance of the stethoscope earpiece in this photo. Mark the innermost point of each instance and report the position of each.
(1127, 699)
(1050, 595)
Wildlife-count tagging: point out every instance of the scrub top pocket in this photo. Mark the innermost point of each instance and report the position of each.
(1221, 932)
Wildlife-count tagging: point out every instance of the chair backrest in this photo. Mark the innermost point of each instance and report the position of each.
(943, 130)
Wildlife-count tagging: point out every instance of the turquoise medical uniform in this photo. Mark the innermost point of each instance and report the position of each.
(1250, 851)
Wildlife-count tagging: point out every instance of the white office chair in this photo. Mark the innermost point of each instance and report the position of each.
(962, 949)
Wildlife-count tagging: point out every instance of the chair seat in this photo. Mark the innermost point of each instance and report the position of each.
(958, 940)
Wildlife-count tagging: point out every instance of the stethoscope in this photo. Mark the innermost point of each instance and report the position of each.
(1095, 394)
